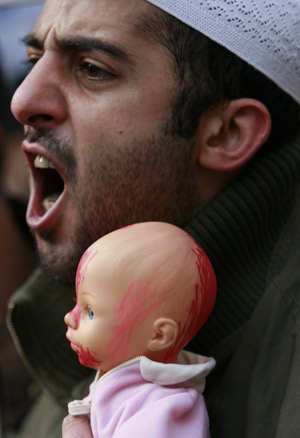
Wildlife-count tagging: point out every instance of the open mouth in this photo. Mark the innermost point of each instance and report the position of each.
(50, 183)
(47, 194)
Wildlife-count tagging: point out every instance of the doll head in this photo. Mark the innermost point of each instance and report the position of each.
(145, 289)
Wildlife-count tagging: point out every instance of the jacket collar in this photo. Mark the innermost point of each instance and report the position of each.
(249, 232)
(239, 230)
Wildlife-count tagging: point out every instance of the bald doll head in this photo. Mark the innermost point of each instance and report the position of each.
(146, 289)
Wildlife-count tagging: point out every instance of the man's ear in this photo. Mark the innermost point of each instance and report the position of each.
(165, 333)
(230, 135)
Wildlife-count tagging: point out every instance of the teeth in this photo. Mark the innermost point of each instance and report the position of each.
(50, 200)
(42, 162)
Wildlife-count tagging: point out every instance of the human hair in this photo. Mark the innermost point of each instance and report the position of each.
(208, 74)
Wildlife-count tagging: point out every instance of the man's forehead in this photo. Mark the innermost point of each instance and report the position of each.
(91, 16)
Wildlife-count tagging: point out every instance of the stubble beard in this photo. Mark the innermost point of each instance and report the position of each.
(147, 180)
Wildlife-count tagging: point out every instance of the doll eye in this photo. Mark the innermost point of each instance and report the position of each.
(90, 313)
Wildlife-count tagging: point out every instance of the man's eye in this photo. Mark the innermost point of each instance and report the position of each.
(29, 64)
(91, 313)
(94, 72)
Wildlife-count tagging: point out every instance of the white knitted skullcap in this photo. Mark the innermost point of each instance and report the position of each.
(264, 33)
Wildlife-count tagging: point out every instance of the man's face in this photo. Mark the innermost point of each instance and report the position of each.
(97, 108)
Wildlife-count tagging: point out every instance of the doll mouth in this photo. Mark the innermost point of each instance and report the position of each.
(75, 348)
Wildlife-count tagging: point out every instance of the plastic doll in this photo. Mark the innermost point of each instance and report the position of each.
(142, 293)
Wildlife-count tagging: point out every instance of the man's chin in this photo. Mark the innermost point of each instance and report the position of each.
(60, 276)
(58, 261)
(59, 267)
(59, 256)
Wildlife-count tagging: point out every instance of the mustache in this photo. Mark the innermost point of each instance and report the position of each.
(60, 149)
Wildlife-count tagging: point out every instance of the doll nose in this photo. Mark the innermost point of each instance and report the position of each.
(70, 320)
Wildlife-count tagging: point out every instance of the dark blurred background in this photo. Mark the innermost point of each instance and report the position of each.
(17, 260)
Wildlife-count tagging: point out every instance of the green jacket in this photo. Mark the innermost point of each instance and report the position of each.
(251, 232)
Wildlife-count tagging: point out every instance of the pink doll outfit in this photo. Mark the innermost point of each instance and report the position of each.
(145, 399)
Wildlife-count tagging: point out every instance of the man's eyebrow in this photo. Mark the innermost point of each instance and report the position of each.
(32, 41)
(82, 44)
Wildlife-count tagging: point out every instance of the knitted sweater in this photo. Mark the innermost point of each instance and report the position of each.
(251, 233)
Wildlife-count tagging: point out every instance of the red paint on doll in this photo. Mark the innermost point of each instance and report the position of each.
(138, 302)
(83, 265)
(201, 306)
(208, 283)
(186, 329)
(75, 315)
(86, 357)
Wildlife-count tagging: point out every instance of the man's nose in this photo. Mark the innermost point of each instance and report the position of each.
(39, 101)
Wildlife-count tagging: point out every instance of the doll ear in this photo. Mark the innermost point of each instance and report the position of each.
(165, 334)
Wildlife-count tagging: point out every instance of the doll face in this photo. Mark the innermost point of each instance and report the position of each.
(88, 323)
(105, 326)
